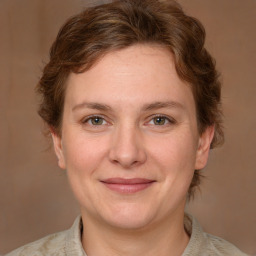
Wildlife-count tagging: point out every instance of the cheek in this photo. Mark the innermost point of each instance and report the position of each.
(83, 154)
(174, 159)
(176, 150)
(175, 154)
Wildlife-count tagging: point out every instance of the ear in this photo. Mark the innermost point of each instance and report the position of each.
(204, 147)
(58, 148)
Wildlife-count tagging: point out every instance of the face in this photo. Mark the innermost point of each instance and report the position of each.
(130, 139)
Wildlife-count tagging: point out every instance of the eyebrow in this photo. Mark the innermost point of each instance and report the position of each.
(159, 104)
(146, 107)
(92, 105)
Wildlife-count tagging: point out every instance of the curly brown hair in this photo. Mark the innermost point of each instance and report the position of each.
(96, 31)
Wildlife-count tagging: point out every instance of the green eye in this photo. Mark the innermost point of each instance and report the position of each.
(159, 120)
(96, 120)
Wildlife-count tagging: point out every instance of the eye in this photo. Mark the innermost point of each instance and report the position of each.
(161, 121)
(95, 121)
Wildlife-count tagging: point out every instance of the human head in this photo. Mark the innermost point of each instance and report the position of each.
(87, 37)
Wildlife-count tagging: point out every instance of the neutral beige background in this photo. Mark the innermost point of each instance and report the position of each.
(35, 199)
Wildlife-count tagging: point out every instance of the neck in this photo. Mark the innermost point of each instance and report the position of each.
(167, 238)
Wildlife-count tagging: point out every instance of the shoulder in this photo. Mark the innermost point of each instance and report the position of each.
(203, 244)
(53, 244)
(59, 244)
(222, 247)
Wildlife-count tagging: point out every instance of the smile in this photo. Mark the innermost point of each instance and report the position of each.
(127, 186)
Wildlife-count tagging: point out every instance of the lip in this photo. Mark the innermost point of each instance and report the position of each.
(127, 186)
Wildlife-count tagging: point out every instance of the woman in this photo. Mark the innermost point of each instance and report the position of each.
(132, 101)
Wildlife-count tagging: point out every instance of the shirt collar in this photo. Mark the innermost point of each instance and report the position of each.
(197, 243)
(73, 241)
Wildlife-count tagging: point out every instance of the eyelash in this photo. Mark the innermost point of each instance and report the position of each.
(90, 118)
(168, 119)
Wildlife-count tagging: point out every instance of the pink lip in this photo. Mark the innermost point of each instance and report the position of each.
(127, 186)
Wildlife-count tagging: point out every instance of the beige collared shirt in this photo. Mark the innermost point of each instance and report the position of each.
(68, 243)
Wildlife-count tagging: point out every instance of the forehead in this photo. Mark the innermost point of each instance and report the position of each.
(131, 75)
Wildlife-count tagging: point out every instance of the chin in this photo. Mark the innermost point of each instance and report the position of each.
(127, 217)
(130, 222)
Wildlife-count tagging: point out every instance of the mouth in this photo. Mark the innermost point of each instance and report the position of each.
(127, 186)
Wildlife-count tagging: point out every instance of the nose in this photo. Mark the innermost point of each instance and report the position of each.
(127, 147)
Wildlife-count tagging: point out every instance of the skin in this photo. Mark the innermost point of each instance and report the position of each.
(131, 116)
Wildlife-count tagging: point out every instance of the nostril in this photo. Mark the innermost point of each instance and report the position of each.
(127, 148)
(128, 161)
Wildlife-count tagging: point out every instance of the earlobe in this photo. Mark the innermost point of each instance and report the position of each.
(58, 148)
(203, 149)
